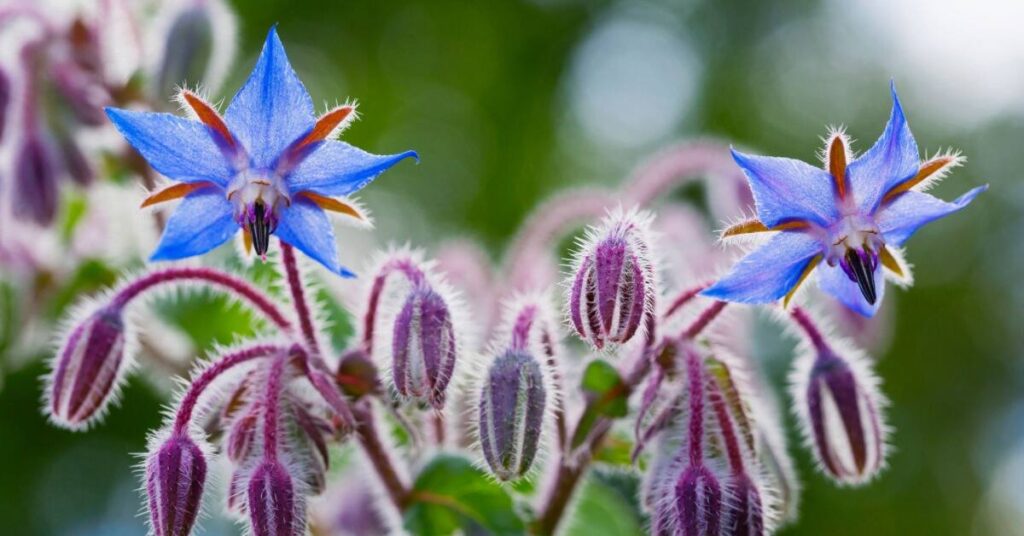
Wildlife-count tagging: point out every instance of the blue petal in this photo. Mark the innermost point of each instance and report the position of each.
(899, 219)
(833, 280)
(787, 189)
(337, 168)
(769, 272)
(893, 159)
(306, 227)
(203, 221)
(273, 108)
(179, 148)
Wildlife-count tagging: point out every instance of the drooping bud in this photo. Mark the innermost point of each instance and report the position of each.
(187, 51)
(511, 414)
(840, 409)
(357, 375)
(743, 511)
(175, 476)
(35, 181)
(275, 506)
(87, 369)
(613, 287)
(423, 347)
(242, 434)
(698, 501)
(75, 162)
(82, 92)
(313, 431)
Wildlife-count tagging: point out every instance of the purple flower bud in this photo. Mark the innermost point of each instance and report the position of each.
(175, 476)
(613, 287)
(87, 370)
(744, 513)
(82, 92)
(35, 181)
(843, 421)
(839, 407)
(187, 51)
(75, 162)
(511, 415)
(423, 347)
(698, 501)
(275, 507)
(243, 434)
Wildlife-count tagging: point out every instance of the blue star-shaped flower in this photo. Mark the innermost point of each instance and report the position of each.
(268, 166)
(852, 216)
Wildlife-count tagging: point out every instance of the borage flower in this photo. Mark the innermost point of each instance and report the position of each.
(268, 166)
(852, 216)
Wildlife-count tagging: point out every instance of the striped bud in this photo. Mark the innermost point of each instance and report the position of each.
(743, 510)
(613, 287)
(839, 407)
(698, 501)
(423, 347)
(275, 507)
(87, 370)
(242, 435)
(35, 181)
(187, 51)
(175, 476)
(5, 101)
(511, 415)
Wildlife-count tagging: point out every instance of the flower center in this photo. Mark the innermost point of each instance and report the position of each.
(258, 201)
(856, 244)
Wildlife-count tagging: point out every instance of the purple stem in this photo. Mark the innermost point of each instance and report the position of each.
(210, 373)
(704, 319)
(238, 287)
(732, 445)
(683, 298)
(271, 399)
(812, 331)
(379, 457)
(403, 265)
(291, 270)
(695, 377)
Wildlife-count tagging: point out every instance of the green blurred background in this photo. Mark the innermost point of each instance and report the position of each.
(509, 101)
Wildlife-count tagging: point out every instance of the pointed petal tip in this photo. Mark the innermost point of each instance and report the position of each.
(407, 154)
(346, 273)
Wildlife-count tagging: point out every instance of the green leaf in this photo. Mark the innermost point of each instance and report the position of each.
(605, 509)
(450, 495)
(607, 396)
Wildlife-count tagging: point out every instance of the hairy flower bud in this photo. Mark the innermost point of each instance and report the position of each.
(511, 415)
(743, 510)
(175, 476)
(613, 288)
(35, 181)
(87, 369)
(840, 409)
(698, 496)
(75, 162)
(187, 51)
(275, 506)
(242, 434)
(423, 347)
(5, 101)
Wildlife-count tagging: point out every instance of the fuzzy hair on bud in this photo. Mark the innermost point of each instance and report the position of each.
(275, 505)
(511, 414)
(88, 368)
(175, 475)
(423, 347)
(840, 410)
(612, 289)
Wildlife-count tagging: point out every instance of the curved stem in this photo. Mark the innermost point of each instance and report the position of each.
(404, 265)
(704, 319)
(683, 298)
(813, 333)
(210, 373)
(676, 166)
(238, 287)
(732, 445)
(291, 272)
(380, 459)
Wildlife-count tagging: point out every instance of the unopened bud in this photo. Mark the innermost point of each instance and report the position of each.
(357, 375)
(5, 101)
(698, 502)
(87, 370)
(175, 476)
(242, 435)
(423, 347)
(511, 415)
(613, 286)
(744, 513)
(274, 504)
(35, 181)
(75, 162)
(186, 52)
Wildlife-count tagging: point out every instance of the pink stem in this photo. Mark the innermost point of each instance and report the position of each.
(683, 298)
(238, 287)
(291, 269)
(407, 267)
(675, 167)
(732, 446)
(215, 369)
(271, 399)
(704, 319)
(695, 375)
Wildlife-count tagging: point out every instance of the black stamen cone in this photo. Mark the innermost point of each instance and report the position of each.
(260, 229)
(863, 275)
